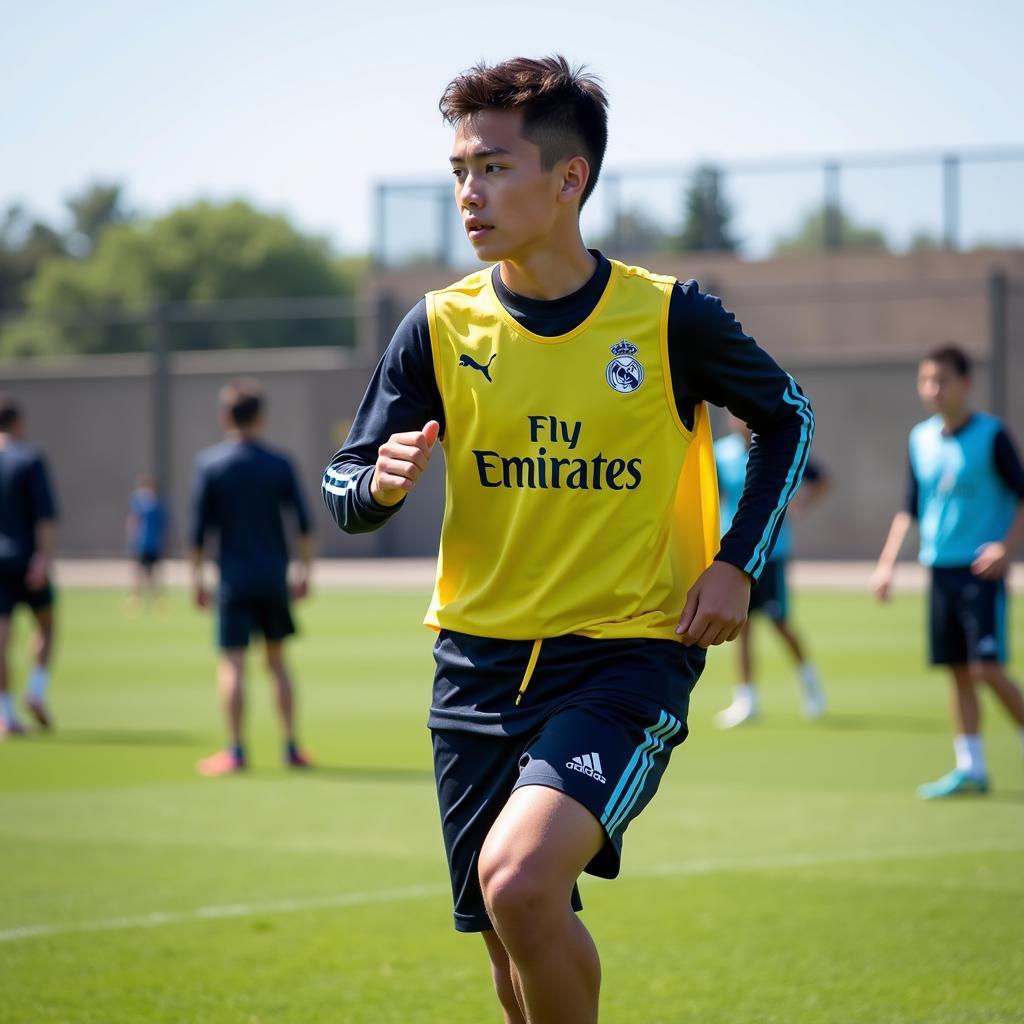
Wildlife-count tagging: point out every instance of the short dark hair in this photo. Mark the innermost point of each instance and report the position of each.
(952, 356)
(10, 412)
(242, 400)
(564, 108)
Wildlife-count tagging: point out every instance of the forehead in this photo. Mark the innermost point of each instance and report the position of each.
(936, 368)
(490, 130)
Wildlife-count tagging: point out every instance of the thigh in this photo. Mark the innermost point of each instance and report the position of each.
(234, 622)
(475, 774)
(273, 616)
(982, 614)
(947, 642)
(609, 757)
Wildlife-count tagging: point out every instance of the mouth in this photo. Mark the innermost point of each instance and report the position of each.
(477, 229)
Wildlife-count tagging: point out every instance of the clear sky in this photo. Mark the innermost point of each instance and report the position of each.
(301, 107)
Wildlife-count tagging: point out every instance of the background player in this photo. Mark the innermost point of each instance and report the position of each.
(28, 516)
(580, 521)
(965, 488)
(241, 491)
(770, 596)
(146, 529)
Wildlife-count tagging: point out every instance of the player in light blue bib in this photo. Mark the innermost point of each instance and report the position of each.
(770, 596)
(966, 491)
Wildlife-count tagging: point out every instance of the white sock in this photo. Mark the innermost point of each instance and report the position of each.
(970, 755)
(809, 677)
(37, 682)
(745, 694)
(7, 709)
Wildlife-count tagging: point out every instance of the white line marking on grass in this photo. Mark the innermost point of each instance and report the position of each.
(159, 918)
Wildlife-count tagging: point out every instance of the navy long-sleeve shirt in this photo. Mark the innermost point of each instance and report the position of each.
(26, 499)
(710, 356)
(241, 491)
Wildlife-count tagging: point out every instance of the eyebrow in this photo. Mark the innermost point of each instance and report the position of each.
(480, 154)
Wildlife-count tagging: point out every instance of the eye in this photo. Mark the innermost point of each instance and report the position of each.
(493, 167)
(459, 172)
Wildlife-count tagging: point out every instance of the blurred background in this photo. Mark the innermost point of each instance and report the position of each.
(197, 193)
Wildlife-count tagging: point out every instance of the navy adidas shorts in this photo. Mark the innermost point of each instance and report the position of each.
(240, 615)
(769, 594)
(14, 592)
(967, 618)
(597, 721)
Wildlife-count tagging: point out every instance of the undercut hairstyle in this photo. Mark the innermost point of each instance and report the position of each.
(952, 356)
(10, 412)
(564, 108)
(242, 400)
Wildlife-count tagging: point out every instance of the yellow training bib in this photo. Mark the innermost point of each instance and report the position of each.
(577, 501)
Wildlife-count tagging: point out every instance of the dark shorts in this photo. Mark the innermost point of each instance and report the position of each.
(147, 559)
(14, 592)
(769, 594)
(967, 618)
(240, 614)
(594, 734)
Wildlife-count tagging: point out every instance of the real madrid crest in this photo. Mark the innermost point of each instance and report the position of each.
(624, 374)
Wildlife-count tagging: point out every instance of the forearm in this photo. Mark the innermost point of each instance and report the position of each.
(1015, 535)
(196, 562)
(894, 541)
(305, 546)
(46, 540)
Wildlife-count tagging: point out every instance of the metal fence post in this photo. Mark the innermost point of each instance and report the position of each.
(951, 202)
(999, 351)
(161, 397)
(832, 225)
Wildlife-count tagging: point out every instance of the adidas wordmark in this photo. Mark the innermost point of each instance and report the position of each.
(588, 764)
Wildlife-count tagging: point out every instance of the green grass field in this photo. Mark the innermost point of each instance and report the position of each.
(785, 872)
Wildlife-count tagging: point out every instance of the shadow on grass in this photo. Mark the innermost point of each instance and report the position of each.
(882, 723)
(126, 738)
(1007, 796)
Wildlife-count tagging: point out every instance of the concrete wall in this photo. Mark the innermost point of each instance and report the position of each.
(849, 327)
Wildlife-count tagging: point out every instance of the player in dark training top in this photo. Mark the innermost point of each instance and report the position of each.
(28, 515)
(578, 584)
(242, 492)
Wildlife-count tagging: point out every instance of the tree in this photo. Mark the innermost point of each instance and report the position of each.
(809, 235)
(95, 209)
(632, 231)
(706, 215)
(24, 245)
(202, 253)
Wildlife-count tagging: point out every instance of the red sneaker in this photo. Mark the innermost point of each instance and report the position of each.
(37, 709)
(221, 763)
(299, 759)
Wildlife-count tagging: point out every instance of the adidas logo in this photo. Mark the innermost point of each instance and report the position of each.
(588, 764)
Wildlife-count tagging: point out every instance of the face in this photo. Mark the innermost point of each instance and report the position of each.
(509, 205)
(940, 389)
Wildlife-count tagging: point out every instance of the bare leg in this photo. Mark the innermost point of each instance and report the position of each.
(744, 648)
(231, 685)
(284, 691)
(1003, 686)
(965, 708)
(791, 640)
(530, 860)
(42, 642)
(7, 720)
(504, 983)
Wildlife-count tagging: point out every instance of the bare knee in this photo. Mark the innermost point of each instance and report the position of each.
(515, 894)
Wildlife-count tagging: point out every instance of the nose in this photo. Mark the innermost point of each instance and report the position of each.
(468, 195)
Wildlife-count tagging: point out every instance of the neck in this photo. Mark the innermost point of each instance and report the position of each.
(549, 272)
(243, 433)
(953, 421)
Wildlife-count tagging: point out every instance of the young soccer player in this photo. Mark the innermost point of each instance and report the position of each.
(966, 491)
(28, 515)
(770, 597)
(576, 592)
(242, 490)
(146, 528)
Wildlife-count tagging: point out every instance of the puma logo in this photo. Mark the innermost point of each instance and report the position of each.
(465, 360)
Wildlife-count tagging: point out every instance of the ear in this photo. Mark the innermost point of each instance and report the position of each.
(575, 175)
